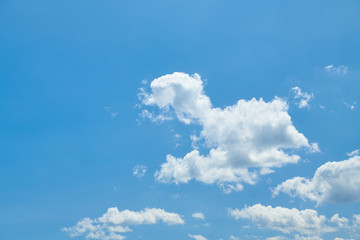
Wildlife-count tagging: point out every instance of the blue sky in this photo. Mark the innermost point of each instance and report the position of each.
(93, 90)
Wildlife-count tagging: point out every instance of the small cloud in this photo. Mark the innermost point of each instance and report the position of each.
(139, 171)
(198, 215)
(321, 106)
(342, 69)
(195, 141)
(197, 237)
(314, 148)
(112, 114)
(145, 81)
(265, 171)
(153, 117)
(302, 97)
(351, 106)
(234, 238)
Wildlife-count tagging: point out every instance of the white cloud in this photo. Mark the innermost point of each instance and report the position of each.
(251, 133)
(277, 238)
(353, 153)
(356, 219)
(284, 220)
(113, 222)
(337, 182)
(197, 237)
(139, 171)
(337, 70)
(302, 97)
(295, 237)
(234, 238)
(155, 118)
(341, 222)
(198, 215)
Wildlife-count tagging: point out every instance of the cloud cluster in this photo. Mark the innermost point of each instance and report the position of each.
(285, 220)
(249, 134)
(302, 97)
(337, 182)
(114, 223)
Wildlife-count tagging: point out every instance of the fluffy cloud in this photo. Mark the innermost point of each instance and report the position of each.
(198, 215)
(139, 171)
(284, 220)
(337, 70)
(341, 222)
(302, 97)
(197, 237)
(250, 134)
(337, 182)
(113, 222)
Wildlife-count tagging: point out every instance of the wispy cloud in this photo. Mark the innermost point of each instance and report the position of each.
(303, 97)
(198, 215)
(342, 69)
(139, 171)
(351, 105)
(197, 237)
(112, 114)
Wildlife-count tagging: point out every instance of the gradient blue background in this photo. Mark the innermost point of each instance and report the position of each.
(63, 157)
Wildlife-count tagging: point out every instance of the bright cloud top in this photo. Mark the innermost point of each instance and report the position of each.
(285, 220)
(251, 133)
(302, 97)
(113, 223)
(337, 182)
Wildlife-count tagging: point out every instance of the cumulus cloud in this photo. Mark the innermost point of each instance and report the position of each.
(114, 223)
(285, 220)
(198, 215)
(337, 182)
(337, 70)
(197, 237)
(139, 171)
(249, 134)
(341, 222)
(302, 97)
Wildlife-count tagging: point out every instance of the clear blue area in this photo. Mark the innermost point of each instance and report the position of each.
(63, 157)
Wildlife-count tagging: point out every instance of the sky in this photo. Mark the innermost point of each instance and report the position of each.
(205, 120)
